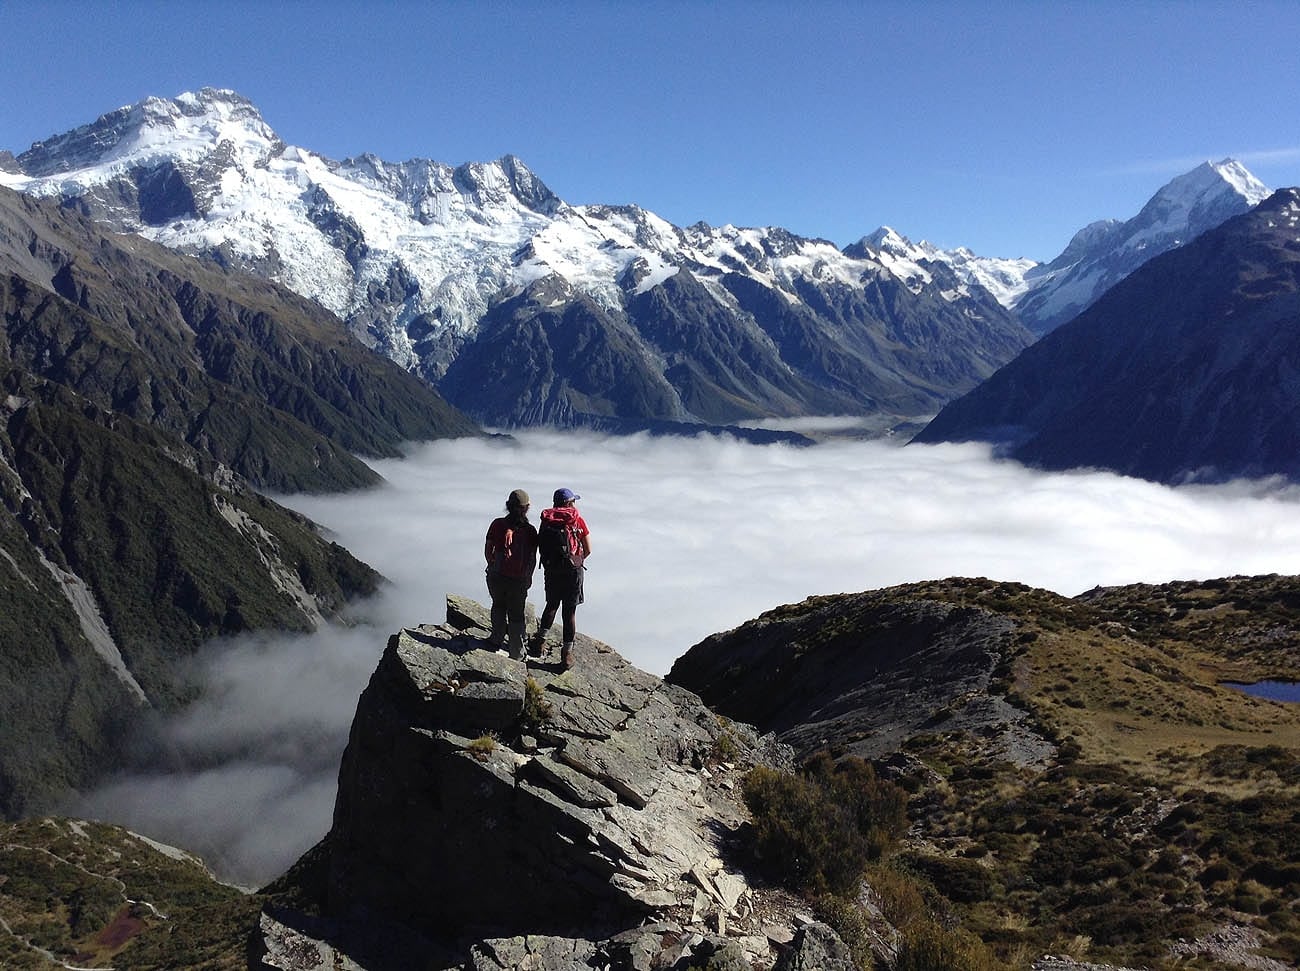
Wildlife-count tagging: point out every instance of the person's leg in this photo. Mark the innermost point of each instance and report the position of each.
(569, 617)
(497, 637)
(548, 616)
(517, 597)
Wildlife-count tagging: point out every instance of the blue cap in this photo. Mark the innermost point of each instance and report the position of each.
(564, 495)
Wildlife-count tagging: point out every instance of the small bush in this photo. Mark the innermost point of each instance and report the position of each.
(536, 708)
(960, 880)
(817, 830)
(482, 747)
(899, 897)
(724, 748)
(928, 947)
(850, 923)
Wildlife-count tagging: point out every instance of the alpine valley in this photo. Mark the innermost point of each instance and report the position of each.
(195, 313)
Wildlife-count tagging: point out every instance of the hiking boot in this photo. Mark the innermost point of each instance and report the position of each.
(566, 655)
(537, 644)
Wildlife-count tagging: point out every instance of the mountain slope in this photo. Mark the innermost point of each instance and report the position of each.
(260, 379)
(141, 393)
(1186, 369)
(425, 262)
(121, 550)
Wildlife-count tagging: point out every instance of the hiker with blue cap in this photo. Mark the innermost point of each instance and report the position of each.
(564, 543)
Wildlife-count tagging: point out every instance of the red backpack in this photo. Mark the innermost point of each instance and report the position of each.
(558, 541)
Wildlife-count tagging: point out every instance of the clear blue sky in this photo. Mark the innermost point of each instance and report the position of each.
(999, 126)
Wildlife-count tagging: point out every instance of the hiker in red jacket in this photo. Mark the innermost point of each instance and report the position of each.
(511, 554)
(565, 543)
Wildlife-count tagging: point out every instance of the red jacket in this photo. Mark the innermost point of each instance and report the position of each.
(511, 547)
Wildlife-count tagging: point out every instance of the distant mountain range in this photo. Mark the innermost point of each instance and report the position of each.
(1188, 369)
(1046, 295)
(525, 310)
(521, 308)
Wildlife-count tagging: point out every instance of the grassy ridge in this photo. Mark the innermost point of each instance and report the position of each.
(1155, 808)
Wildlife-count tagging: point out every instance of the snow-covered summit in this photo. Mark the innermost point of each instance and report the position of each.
(1103, 253)
(1003, 278)
(1194, 202)
(186, 127)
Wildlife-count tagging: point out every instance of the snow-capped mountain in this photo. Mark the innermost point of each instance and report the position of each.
(1003, 278)
(1182, 371)
(569, 306)
(1103, 253)
(1045, 295)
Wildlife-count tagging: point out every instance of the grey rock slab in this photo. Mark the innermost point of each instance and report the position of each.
(816, 948)
(571, 785)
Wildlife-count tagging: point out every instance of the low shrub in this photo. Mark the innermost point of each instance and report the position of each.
(536, 708)
(817, 829)
(928, 947)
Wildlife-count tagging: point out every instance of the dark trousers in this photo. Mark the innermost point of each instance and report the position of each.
(509, 595)
(563, 593)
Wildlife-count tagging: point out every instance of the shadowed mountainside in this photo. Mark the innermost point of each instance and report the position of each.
(141, 392)
(1185, 370)
(262, 380)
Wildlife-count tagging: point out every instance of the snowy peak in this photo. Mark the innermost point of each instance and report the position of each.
(1194, 202)
(190, 125)
(1103, 253)
(1001, 277)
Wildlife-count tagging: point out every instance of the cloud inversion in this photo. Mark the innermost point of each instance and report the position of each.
(690, 536)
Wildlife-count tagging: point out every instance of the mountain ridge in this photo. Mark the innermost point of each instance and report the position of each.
(384, 246)
(1179, 373)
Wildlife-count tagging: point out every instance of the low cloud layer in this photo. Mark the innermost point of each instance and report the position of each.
(690, 536)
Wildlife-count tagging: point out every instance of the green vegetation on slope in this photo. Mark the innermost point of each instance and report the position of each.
(92, 895)
(1082, 782)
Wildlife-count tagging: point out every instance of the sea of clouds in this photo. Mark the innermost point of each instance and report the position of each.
(690, 536)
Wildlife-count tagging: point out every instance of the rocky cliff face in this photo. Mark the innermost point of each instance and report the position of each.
(865, 672)
(512, 816)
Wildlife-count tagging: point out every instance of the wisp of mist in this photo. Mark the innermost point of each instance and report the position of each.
(690, 536)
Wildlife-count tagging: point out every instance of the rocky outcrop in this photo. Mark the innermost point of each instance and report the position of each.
(865, 672)
(518, 815)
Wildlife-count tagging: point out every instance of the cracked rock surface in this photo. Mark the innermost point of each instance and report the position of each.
(522, 815)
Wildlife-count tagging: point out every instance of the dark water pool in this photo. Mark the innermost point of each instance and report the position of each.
(1276, 690)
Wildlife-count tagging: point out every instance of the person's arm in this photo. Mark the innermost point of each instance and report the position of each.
(489, 547)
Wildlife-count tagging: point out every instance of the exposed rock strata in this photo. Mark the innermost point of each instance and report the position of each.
(585, 819)
(864, 672)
